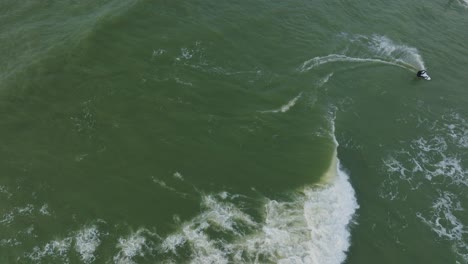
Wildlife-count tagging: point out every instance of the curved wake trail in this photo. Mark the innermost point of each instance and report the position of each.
(371, 49)
(317, 61)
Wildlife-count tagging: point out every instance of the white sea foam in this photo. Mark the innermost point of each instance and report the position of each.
(86, 242)
(179, 81)
(4, 191)
(28, 231)
(185, 54)
(44, 210)
(9, 242)
(330, 225)
(456, 127)
(437, 156)
(158, 52)
(56, 248)
(444, 222)
(164, 185)
(219, 215)
(131, 247)
(310, 227)
(285, 107)
(371, 49)
(435, 162)
(324, 80)
(204, 249)
(178, 176)
(224, 215)
(386, 48)
(7, 218)
(24, 211)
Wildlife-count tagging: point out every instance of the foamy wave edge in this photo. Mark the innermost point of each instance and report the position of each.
(312, 227)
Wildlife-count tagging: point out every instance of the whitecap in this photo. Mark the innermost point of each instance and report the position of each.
(130, 247)
(44, 210)
(87, 241)
(56, 248)
(4, 190)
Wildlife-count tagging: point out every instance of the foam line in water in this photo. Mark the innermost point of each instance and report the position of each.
(285, 107)
(324, 80)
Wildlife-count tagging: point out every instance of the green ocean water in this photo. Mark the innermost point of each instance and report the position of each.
(233, 131)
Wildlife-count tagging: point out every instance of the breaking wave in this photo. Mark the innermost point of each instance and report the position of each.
(311, 226)
(307, 225)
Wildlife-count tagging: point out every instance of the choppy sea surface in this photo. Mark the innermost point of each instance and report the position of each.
(138, 131)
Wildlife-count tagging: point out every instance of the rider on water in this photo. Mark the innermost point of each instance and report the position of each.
(423, 74)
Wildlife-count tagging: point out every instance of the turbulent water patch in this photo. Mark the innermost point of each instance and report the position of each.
(87, 241)
(434, 162)
(432, 157)
(131, 247)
